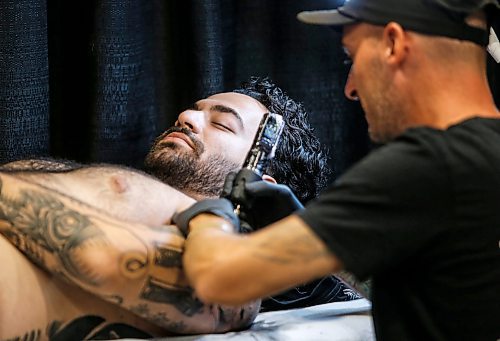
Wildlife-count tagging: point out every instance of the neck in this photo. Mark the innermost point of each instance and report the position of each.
(446, 98)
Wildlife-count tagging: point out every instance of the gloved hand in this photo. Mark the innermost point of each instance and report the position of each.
(261, 202)
(220, 207)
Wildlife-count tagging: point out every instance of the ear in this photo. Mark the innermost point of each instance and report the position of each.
(269, 178)
(395, 43)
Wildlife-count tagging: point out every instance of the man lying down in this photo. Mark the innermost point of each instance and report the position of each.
(73, 221)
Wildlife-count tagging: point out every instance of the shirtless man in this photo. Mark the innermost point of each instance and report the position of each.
(73, 220)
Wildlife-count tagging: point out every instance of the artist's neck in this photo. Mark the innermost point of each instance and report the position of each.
(453, 99)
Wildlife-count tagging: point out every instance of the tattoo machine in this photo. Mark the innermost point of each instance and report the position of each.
(262, 150)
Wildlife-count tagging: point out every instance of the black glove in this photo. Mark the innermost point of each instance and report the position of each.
(260, 202)
(220, 207)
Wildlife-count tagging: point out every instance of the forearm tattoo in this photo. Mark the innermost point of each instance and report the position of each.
(46, 230)
(182, 298)
(168, 258)
(159, 318)
(55, 236)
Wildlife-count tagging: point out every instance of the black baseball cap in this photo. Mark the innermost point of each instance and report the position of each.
(433, 17)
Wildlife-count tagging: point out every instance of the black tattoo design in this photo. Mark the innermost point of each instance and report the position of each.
(181, 298)
(93, 328)
(159, 318)
(134, 264)
(88, 327)
(44, 225)
(33, 335)
(168, 258)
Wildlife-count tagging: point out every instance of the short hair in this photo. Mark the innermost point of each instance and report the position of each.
(300, 162)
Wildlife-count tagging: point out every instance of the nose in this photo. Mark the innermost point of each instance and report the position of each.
(191, 119)
(350, 88)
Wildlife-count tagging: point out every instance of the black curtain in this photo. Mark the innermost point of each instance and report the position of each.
(97, 80)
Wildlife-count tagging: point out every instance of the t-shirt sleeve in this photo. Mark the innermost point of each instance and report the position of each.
(384, 209)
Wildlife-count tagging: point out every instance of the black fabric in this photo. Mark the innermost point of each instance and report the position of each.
(427, 16)
(96, 81)
(324, 290)
(24, 81)
(220, 207)
(421, 216)
(259, 202)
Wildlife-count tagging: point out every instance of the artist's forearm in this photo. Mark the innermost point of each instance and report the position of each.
(285, 254)
(134, 266)
(208, 248)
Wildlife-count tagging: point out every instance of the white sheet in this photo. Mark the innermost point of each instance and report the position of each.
(346, 321)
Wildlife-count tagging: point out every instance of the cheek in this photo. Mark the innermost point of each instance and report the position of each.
(237, 152)
(229, 147)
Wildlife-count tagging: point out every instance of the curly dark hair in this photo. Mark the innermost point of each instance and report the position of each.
(300, 161)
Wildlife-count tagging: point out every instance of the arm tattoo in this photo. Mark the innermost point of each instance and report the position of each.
(168, 258)
(134, 264)
(46, 230)
(182, 299)
(55, 236)
(159, 318)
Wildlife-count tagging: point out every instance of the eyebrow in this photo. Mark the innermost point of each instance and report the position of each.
(223, 109)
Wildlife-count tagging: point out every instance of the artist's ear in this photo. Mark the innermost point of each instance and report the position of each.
(395, 43)
(269, 178)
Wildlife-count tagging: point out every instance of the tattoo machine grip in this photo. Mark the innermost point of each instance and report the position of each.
(264, 144)
(262, 150)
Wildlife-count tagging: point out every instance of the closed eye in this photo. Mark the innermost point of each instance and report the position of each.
(222, 126)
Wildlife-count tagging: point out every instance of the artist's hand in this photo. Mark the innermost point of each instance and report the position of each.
(220, 207)
(261, 202)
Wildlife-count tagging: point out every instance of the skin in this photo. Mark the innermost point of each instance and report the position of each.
(222, 131)
(122, 253)
(401, 83)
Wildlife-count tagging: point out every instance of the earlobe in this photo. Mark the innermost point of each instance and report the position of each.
(269, 178)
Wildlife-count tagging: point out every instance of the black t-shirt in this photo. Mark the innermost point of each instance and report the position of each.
(421, 215)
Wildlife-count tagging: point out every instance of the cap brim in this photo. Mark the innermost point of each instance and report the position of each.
(325, 17)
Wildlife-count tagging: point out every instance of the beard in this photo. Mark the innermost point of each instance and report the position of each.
(384, 119)
(184, 169)
(382, 109)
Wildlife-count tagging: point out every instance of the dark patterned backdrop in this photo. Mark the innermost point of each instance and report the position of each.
(98, 80)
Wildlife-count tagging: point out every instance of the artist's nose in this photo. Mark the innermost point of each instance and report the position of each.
(350, 88)
(192, 119)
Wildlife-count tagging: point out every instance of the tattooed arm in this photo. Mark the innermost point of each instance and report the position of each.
(135, 266)
(281, 256)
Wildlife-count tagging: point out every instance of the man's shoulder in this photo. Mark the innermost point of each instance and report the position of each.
(41, 164)
(47, 165)
(440, 147)
(413, 161)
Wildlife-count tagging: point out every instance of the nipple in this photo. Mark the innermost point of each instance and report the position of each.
(118, 184)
